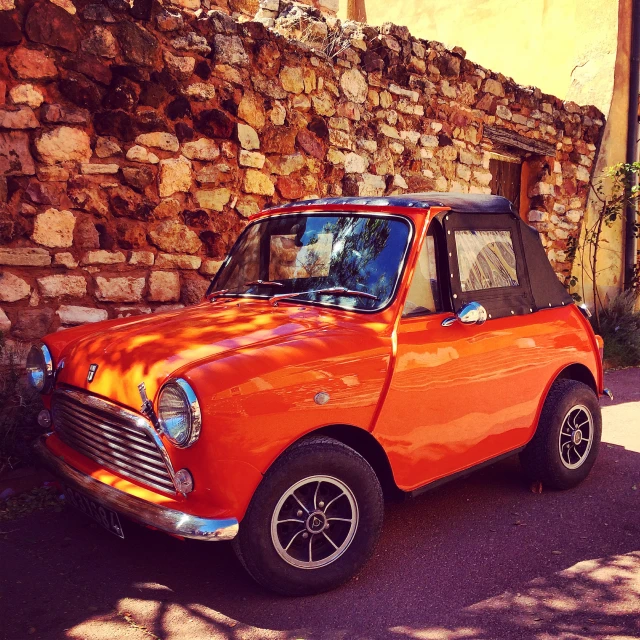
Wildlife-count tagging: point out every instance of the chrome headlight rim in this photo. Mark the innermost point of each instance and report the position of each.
(47, 369)
(193, 406)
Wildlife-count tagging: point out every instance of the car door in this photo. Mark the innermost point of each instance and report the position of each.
(461, 394)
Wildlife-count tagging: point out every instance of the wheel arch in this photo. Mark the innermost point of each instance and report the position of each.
(580, 373)
(364, 443)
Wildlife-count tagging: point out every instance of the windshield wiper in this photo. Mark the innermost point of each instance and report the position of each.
(263, 283)
(336, 291)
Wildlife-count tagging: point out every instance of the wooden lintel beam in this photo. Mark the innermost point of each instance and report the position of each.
(511, 139)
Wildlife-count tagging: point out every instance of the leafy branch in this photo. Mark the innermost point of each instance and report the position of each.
(614, 190)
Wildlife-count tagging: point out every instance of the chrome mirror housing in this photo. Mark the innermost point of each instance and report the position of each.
(472, 313)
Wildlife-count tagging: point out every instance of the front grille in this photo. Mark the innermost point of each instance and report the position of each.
(112, 436)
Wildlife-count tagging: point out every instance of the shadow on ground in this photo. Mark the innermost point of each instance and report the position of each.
(480, 558)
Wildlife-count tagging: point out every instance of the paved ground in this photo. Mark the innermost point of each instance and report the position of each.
(480, 558)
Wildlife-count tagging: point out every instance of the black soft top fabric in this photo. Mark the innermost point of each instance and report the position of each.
(460, 202)
(539, 286)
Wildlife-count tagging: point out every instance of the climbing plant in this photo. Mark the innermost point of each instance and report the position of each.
(614, 189)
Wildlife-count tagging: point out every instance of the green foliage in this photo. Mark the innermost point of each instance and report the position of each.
(19, 407)
(620, 330)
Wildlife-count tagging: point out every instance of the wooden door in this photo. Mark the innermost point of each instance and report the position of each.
(505, 180)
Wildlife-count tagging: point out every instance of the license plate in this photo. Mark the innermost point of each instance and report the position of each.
(103, 516)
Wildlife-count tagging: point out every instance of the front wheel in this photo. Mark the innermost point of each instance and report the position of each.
(566, 442)
(313, 521)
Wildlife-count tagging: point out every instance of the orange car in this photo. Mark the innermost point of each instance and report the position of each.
(347, 349)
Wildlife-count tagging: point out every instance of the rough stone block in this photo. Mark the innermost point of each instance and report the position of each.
(119, 289)
(13, 288)
(54, 228)
(74, 315)
(25, 257)
(164, 286)
(57, 286)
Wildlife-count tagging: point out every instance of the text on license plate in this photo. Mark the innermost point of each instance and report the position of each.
(106, 517)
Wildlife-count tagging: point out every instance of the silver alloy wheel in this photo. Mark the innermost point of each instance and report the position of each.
(314, 522)
(576, 437)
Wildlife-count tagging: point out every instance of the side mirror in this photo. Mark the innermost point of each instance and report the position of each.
(472, 313)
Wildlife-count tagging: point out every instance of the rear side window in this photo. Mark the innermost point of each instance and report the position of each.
(486, 259)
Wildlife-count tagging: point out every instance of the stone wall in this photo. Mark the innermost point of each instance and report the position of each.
(136, 140)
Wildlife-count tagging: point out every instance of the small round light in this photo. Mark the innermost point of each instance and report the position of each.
(40, 368)
(179, 413)
(184, 481)
(44, 419)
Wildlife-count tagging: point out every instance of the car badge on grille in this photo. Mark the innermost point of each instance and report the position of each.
(92, 372)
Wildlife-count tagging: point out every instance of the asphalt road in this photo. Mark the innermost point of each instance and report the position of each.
(482, 557)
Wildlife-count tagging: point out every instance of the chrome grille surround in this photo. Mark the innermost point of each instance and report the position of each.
(114, 437)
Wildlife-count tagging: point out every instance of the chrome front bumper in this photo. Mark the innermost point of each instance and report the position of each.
(146, 513)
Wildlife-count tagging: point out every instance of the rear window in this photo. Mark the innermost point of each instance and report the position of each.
(486, 259)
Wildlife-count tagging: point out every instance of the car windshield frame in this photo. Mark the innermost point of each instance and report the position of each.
(300, 299)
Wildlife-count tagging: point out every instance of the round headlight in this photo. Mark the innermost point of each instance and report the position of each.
(40, 368)
(179, 413)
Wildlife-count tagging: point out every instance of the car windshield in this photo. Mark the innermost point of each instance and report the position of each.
(304, 253)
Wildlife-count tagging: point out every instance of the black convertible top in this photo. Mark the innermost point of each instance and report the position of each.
(459, 202)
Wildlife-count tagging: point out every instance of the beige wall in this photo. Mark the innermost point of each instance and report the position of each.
(612, 151)
(557, 45)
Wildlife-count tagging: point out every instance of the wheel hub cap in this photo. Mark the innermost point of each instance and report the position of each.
(316, 522)
(576, 437)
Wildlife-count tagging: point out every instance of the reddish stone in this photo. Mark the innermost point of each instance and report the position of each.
(152, 94)
(122, 94)
(126, 202)
(115, 123)
(290, 188)
(30, 64)
(199, 218)
(184, 132)
(91, 66)
(131, 71)
(10, 32)
(141, 9)
(214, 123)
(487, 103)
(310, 143)
(137, 44)
(85, 235)
(193, 288)
(48, 23)
(32, 324)
(131, 235)
(45, 193)
(138, 177)
(87, 196)
(372, 61)
(81, 91)
(57, 113)
(280, 140)
(15, 156)
(268, 59)
(319, 127)
(150, 120)
(420, 183)
(178, 108)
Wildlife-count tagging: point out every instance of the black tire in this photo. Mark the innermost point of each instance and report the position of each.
(314, 456)
(541, 458)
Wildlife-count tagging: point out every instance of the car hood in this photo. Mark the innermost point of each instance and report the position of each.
(152, 348)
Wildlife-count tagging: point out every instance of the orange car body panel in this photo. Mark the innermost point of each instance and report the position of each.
(438, 400)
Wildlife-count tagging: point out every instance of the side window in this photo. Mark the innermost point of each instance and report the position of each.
(486, 259)
(424, 294)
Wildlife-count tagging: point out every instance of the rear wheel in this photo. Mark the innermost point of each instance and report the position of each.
(313, 521)
(566, 443)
